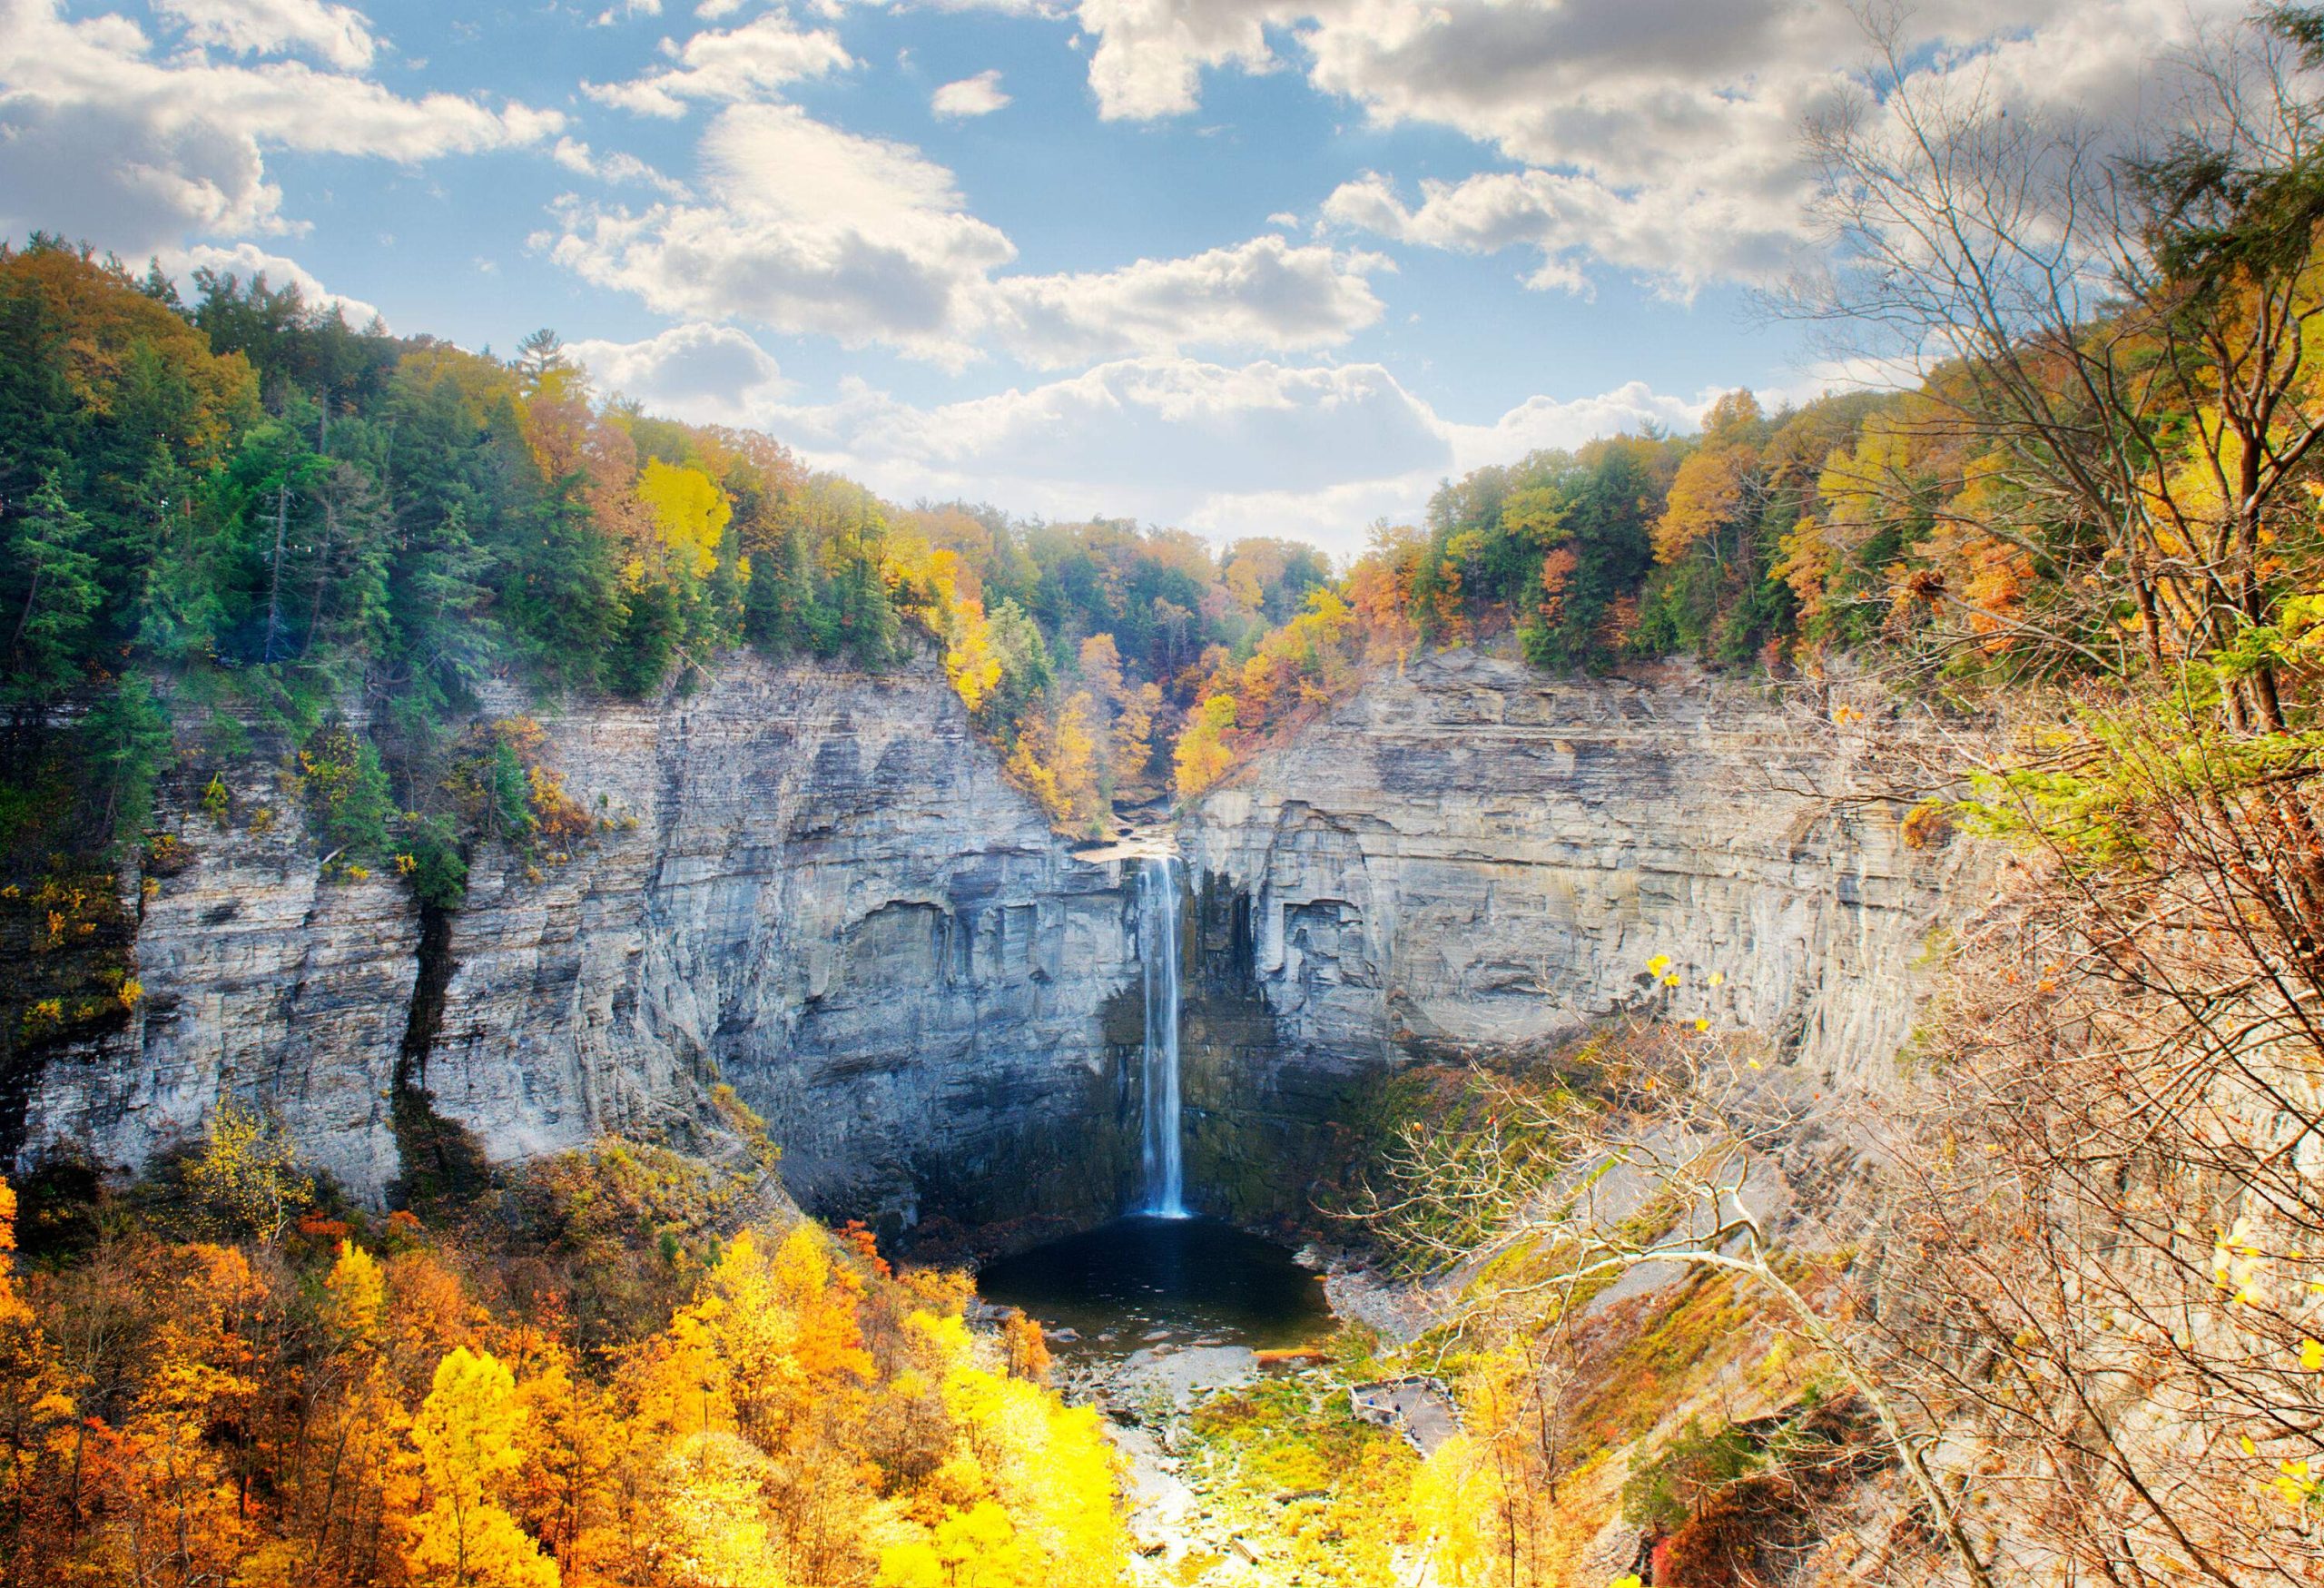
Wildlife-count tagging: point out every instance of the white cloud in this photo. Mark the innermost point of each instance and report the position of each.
(617, 168)
(338, 34)
(1137, 431)
(247, 260)
(1261, 448)
(805, 229)
(100, 138)
(1659, 137)
(809, 229)
(1262, 294)
(1151, 54)
(746, 63)
(628, 9)
(1541, 422)
(1680, 241)
(980, 95)
(710, 374)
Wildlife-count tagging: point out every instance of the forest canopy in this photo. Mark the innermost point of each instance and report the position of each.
(240, 506)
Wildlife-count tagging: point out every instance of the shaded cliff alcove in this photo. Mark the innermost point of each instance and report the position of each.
(921, 1080)
(1261, 1113)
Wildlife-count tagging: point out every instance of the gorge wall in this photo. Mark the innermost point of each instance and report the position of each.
(1467, 854)
(817, 887)
(813, 886)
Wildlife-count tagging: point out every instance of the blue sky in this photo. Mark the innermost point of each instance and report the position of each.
(1241, 265)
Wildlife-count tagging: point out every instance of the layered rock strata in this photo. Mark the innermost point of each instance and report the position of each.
(813, 886)
(817, 887)
(1468, 853)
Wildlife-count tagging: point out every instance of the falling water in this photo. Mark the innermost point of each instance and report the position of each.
(1158, 950)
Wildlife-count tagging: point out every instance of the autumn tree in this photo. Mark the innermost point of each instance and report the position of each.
(467, 1433)
(247, 1172)
(33, 1403)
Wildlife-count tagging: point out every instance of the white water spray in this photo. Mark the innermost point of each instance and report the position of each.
(1158, 952)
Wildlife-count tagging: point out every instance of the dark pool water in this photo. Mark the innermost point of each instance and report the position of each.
(1195, 1277)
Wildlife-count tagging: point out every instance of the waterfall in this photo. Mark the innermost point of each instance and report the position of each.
(1158, 950)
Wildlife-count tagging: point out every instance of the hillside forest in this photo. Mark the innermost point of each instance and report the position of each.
(2070, 1329)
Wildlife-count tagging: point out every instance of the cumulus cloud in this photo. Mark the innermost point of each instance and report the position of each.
(1264, 294)
(1656, 136)
(1680, 241)
(980, 95)
(1151, 54)
(1265, 447)
(1137, 431)
(247, 260)
(807, 228)
(338, 34)
(712, 374)
(728, 66)
(1540, 423)
(102, 136)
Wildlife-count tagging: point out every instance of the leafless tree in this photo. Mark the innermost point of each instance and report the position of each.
(2109, 341)
(1668, 1168)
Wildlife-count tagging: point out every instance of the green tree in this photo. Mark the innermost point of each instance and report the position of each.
(125, 740)
(49, 582)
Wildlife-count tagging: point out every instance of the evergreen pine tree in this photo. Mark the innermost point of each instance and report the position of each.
(49, 582)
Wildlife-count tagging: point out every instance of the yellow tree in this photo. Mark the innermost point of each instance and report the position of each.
(691, 511)
(33, 1399)
(1202, 755)
(558, 1493)
(359, 1485)
(1027, 1497)
(1716, 483)
(1056, 760)
(1125, 712)
(182, 1516)
(248, 1172)
(783, 1326)
(715, 1530)
(467, 1434)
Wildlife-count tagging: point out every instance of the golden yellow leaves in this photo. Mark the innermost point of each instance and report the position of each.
(467, 1436)
(1202, 756)
(2237, 1266)
(1709, 492)
(357, 1291)
(689, 510)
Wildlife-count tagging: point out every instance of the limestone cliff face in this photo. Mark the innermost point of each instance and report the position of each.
(263, 983)
(817, 887)
(1473, 854)
(814, 886)
(831, 900)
